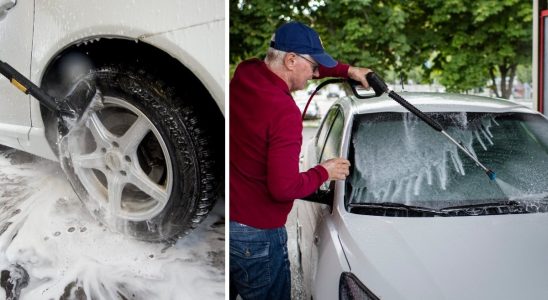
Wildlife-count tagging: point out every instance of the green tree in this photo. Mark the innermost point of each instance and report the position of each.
(474, 41)
(360, 32)
(461, 43)
(364, 32)
(525, 73)
(252, 23)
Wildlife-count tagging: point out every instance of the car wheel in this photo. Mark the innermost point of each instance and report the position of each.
(142, 164)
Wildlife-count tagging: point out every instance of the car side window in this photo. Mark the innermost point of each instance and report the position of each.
(331, 148)
(324, 131)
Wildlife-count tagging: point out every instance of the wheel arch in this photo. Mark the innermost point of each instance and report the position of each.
(139, 54)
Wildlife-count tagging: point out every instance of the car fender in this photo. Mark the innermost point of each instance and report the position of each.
(63, 23)
(60, 24)
(331, 260)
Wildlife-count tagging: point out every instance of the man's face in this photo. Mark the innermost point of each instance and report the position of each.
(305, 68)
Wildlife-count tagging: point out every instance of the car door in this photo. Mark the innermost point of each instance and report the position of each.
(311, 215)
(16, 30)
(326, 266)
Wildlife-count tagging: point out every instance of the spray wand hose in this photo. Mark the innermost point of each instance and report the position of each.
(380, 87)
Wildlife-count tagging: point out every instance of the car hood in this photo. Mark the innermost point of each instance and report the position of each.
(476, 257)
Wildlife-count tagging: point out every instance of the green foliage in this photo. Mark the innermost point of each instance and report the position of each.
(460, 43)
(477, 40)
(525, 74)
(252, 23)
(366, 33)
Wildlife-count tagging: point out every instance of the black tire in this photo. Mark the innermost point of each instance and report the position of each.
(194, 171)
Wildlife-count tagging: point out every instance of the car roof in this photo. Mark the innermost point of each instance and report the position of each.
(432, 102)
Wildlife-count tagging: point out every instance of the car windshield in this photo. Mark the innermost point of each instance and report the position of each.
(399, 161)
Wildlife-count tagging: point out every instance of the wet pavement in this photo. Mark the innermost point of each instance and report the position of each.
(52, 248)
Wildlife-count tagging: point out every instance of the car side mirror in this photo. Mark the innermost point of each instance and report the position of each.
(322, 195)
(6, 5)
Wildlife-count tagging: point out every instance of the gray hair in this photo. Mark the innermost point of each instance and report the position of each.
(274, 56)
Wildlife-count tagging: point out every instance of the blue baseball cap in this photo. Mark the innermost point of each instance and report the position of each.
(299, 38)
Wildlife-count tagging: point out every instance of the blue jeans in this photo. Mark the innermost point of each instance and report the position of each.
(259, 264)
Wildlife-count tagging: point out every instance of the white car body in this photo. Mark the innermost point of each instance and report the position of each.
(33, 33)
(470, 257)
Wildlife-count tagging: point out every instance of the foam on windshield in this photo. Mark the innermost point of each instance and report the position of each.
(404, 160)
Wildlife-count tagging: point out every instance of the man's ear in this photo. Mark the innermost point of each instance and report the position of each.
(290, 60)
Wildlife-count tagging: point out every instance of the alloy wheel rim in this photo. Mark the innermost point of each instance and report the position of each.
(114, 163)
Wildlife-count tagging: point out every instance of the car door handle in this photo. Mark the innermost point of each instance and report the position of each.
(316, 239)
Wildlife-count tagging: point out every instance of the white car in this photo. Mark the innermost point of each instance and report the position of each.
(416, 218)
(154, 155)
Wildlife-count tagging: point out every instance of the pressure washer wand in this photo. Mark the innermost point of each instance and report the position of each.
(380, 87)
(26, 86)
(71, 110)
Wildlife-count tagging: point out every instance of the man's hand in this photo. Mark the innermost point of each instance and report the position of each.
(337, 168)
(358, 74)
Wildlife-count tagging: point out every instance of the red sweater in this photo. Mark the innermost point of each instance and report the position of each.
(265, 142)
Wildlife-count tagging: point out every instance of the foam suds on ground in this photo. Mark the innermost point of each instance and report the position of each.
(46, 233)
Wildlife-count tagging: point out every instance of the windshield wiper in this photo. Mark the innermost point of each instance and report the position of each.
(502, 207)
(392, 209)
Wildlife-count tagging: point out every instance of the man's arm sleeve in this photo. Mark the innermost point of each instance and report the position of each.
(340, 70)
(285, 182)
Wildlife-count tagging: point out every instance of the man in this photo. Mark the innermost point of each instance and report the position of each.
(265, 141)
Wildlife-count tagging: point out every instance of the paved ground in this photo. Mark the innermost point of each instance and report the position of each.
(51, 247)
